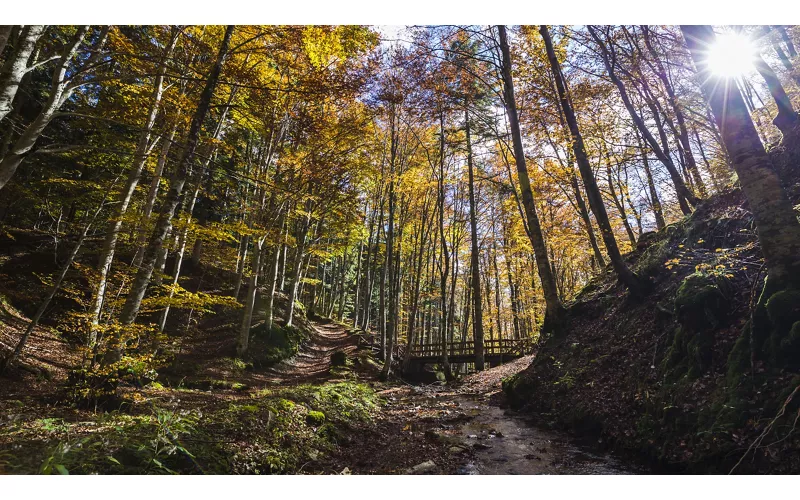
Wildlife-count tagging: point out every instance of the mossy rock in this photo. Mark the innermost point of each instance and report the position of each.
(689, 354)
(701, 350)
(700, 302)
(738, 359)
(677, 351)
(790, 347)
(339, 358)
(783, 309)
(315, 418)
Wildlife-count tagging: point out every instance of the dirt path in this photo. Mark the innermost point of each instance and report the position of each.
(313, 361)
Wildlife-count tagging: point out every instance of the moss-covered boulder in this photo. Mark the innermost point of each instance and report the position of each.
(701, 306)
(783, 309)
(689, 354)
(700, 302)
(782, 346)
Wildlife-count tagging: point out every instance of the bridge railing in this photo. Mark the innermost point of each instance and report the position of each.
(511, 347)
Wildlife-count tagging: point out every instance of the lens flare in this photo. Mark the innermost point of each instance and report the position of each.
(731, 56)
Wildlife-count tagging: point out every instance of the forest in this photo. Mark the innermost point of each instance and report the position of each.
(445, 249)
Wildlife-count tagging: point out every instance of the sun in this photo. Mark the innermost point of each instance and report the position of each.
(731, 55)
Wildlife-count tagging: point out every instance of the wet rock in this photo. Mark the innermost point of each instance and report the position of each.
(423, 468)
(531, 456)
(481, 446)
(457, 449)
(468, 470)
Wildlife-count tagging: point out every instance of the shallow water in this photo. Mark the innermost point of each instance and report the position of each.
(505, 443)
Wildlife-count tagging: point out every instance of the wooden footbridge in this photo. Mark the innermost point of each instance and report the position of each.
(495, 351)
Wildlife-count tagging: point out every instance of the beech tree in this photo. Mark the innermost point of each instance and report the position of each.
(777, 224)
(553, 303)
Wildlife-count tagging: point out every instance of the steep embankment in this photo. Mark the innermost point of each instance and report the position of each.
(676, 375)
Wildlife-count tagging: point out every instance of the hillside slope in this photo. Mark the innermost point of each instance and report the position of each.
(672, 375)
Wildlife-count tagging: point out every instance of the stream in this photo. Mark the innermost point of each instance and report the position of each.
(505, 443)
(487, 439)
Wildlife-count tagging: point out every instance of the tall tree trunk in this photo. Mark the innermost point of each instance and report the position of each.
(342, 288)
(17, 63)
(618, 203)
(513, 299)
(477, 332)
(134, 301)
(295, 275)
(587, 221)
(5, 33)
(628, 277)
(124, 199)
(357, 288)
(366, 297)
(554, 310)
(391, 325)
(787, 40)
(60, 91)
(651, 185)
(382, 290)
(776, 222)
(682, 132)
(497, 301)
(250, 300)
(184, 235)
(152, 194)
(445, 254)
(416, 280)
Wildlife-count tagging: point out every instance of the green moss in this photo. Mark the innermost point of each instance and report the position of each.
(782, 344)
(676, 352)
(652, 260)
(700, 348)
(315, 418)
(329, 433)
(236, 364)
(285, 404)
(783, 309)
(700, 302)
(738, 359)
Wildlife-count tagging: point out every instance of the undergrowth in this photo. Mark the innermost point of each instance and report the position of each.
(271, 432)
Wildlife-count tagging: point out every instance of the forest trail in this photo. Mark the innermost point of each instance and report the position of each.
(313, 360)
